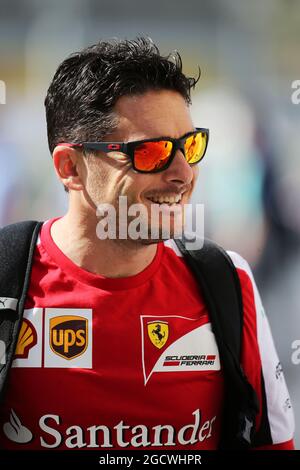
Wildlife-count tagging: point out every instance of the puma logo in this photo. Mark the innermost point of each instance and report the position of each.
(8, 302)
(3, 301)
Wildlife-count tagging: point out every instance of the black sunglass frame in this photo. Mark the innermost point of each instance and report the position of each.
(129, 147)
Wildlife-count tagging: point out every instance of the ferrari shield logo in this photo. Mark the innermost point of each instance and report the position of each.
(68, 335)
(158, 332)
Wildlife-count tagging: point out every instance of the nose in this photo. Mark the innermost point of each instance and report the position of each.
(179, 170)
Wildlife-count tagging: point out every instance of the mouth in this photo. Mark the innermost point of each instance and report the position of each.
(170, 199)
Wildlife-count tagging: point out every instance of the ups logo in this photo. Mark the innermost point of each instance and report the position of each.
(68, 336)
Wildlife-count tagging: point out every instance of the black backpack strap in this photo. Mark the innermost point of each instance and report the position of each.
(221, 290)
(17, 244)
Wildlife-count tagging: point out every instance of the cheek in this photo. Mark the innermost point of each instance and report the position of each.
(196, 170)
(96, 182)
(105, 183)
(135, 185)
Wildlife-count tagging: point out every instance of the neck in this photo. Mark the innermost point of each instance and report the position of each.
(75, 235)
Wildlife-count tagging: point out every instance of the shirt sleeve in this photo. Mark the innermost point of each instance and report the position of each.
(275, 422)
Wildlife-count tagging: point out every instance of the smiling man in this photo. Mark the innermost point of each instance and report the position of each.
(105, 177)
(116, 348)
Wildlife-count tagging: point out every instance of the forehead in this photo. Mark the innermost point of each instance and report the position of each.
(152, 114)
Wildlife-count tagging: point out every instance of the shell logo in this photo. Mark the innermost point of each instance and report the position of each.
(27, 339)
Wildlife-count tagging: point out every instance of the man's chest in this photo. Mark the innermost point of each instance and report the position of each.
(114, 371)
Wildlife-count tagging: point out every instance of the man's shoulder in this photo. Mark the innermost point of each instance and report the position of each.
(238, 260)
(245, 273)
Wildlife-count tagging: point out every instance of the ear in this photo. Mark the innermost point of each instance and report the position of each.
(67, 163)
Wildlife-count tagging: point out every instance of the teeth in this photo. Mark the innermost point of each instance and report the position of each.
(166, 199)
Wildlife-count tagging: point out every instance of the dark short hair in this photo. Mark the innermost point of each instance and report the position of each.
(80, 99)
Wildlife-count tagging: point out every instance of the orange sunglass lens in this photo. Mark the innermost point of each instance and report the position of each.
(151, 156)
(195, 146)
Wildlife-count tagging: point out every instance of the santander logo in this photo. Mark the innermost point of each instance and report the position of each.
(54, 435)
(15, 431)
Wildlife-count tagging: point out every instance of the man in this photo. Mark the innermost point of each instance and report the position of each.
(116, 348)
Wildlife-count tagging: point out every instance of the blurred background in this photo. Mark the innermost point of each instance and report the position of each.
(249, 181)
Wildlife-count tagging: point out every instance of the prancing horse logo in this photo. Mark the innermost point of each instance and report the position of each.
(158, 332)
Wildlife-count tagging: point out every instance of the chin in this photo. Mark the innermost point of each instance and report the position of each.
(161, 234)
